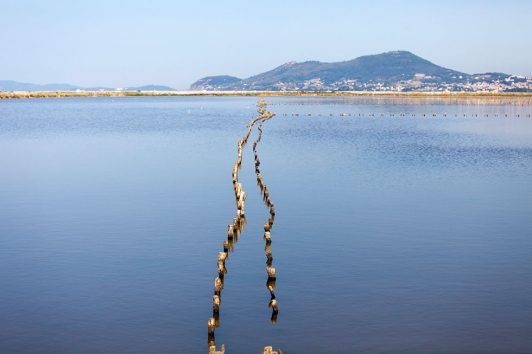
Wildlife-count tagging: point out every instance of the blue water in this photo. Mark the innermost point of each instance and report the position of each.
(393, 234)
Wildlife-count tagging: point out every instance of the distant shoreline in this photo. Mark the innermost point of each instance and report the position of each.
(73, 94)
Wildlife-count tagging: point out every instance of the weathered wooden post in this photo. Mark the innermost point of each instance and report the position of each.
(216, 303)
(269, 258)
(271, 273)
(210, 325)
(226, 247)
(273, 305)
(269, 350)
(218, 286)
(212, 349)
(267, 237)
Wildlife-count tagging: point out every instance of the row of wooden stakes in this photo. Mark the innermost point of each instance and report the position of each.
(233, 232)
(507, 115)
(270, 284)
(415, 103)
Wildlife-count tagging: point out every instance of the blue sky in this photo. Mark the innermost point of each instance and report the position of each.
(174, 43)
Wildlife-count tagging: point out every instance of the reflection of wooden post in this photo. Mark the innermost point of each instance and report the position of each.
(273, 319)
(216, 317)
(270, 282)
(272, 293)
(210, 340)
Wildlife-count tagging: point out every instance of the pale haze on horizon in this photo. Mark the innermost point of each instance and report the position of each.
(174, 43)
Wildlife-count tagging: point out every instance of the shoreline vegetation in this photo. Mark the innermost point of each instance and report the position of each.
(74, 94)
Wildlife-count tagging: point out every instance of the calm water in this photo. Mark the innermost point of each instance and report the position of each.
(393, 234)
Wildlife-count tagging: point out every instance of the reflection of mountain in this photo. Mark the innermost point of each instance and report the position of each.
(8, 85)
(391, 71)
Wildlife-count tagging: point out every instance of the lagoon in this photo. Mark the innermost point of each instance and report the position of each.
(394, 232)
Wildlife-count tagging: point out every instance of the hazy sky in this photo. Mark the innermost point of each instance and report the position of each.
(174, 43)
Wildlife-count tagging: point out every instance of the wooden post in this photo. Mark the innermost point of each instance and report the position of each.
(216, 303)
(271, 273)
(210, 325)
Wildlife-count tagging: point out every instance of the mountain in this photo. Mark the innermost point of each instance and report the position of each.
(8, 85)
(215, 81)
(152, 88)
(391, 71)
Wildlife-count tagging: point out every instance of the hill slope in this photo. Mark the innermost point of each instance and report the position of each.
(8, 85)
(391, 71)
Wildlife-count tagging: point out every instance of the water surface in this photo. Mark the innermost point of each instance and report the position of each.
(394, 232)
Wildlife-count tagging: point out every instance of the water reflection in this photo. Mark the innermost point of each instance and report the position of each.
(427, 224)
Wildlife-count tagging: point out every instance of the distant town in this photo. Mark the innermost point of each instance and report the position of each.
(420, 83)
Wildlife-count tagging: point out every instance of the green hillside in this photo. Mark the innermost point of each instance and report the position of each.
(386, 68)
